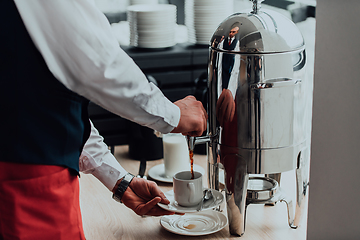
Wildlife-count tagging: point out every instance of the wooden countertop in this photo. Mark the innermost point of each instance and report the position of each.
(106, 219)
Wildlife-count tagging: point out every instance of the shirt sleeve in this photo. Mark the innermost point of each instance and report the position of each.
(78, 46)
(97, 160)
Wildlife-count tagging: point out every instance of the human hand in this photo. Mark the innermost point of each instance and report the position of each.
(225, 107)
(142, 196)
(193, 118)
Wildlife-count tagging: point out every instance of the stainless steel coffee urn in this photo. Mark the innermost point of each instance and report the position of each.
(259, 107)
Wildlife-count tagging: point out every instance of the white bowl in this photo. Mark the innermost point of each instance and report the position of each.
(153, 28)
(150, 41)
(153, 44)
(209, 2)
(207, 8)
(135, 2)
(160, 18)
(169, 38)
(150, 14)
(145, 9)
(152, 22)
(158, 35)
(149, 21)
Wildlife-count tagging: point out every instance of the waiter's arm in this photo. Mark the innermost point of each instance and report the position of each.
(79, 48)
(97, 160)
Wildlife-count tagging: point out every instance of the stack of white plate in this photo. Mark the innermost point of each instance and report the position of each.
(202, 17)
(135, 2)
(152, 25)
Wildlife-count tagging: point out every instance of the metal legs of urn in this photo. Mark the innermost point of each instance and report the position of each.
(302, 184)
(276, 177)
(239, 196)
(236, 199)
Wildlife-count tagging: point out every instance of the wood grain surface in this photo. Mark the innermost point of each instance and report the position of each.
(106, 219)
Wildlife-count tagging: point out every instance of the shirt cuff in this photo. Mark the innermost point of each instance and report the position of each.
(108, 172)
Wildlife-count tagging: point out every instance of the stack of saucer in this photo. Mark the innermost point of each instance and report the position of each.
(152, 25)
(202, 17)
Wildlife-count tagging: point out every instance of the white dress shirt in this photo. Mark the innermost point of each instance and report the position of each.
(76, 41)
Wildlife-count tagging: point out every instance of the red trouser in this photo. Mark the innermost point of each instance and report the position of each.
(39, 202)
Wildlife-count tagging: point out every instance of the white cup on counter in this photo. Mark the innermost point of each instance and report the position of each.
(176, 154)
(188, 192)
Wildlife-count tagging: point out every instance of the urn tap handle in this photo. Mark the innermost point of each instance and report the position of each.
(191, 143)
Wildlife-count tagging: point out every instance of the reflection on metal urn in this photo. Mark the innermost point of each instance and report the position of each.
(259, 112)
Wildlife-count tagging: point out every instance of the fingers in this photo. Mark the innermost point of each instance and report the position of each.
(150, 208)
(219, 106)
(193, 118)
(145, 208)
(142, 196)
(201, 127)
(190, 97)
(164, 200)
(229, 109)
(156, 192)
(205, 118)
(231, 113)
(204, 112)
(225, 107)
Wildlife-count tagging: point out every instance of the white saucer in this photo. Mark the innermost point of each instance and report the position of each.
(173, 206)
(158, 173)
(194, 224)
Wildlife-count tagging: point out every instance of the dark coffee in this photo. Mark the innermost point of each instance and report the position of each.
(191, 154)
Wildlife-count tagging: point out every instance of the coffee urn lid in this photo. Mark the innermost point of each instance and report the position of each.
(259, 32)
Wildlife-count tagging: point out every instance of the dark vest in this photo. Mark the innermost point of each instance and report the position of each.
(42, 121)
(228, 61)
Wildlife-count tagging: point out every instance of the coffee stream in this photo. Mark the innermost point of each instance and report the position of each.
(191, 154)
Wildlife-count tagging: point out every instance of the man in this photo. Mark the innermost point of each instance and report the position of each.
(229, 62)
(228, 74)
(56, 56)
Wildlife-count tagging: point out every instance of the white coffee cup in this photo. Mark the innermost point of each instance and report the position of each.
(176, 154)
(188, 192)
